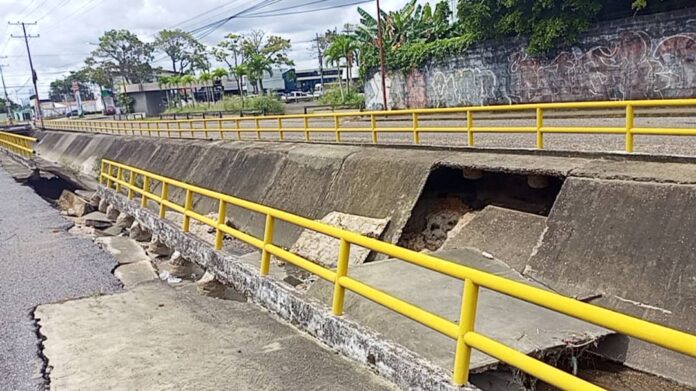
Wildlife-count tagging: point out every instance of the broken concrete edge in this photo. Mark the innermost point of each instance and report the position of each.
(28, 163)
(395, 363)
(45, 370)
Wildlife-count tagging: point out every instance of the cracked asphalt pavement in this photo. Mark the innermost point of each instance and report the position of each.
(40, 262)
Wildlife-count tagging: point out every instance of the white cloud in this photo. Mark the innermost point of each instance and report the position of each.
(68, 27)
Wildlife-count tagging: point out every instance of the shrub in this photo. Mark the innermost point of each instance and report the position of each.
(349, 97)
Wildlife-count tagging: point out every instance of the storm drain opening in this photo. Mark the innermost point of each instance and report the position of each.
(452, 195)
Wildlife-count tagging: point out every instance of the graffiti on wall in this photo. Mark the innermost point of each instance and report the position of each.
(632, 64)
(631, 67)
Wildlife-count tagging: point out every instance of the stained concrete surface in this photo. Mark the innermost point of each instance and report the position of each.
(40, 262)
(525, 327)
(633, 244)
(124, 249)
(489, 230)
(156, 337)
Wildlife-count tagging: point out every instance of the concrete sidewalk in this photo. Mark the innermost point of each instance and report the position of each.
(156, 337)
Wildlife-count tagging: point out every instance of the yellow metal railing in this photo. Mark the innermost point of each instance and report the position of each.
(18, 144)
(123, 178)
(415, 123)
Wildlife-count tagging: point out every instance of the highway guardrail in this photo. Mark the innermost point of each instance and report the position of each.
(126, 179)
(17, 144)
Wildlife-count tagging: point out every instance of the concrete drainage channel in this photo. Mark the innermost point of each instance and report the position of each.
(144, 249)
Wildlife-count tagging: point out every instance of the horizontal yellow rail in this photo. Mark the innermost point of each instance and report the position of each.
(17, 144)
(460, 120)
(123, 178)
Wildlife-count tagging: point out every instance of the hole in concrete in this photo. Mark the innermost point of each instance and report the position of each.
(50, 187)
(371, 359)
(450, 194)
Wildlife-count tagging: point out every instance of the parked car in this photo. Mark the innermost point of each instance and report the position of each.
(295, 96)
(110, 110)
(72, 113)
(318, 90)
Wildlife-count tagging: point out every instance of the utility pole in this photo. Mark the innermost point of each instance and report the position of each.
(34, 78)
(381, 56)
(321, 64)
(7, 98)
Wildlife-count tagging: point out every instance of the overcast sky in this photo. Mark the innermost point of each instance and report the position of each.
(69, 28)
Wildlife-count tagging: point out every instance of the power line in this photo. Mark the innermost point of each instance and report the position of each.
(267, 14)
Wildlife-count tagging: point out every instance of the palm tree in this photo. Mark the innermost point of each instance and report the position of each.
(189, 80)
(175, 82)
(256, 65)
(165, 81)
(218, 74)
(239, 72)
(205, 78)
(343, 47)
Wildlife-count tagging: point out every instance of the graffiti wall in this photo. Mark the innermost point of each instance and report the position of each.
(645, 57)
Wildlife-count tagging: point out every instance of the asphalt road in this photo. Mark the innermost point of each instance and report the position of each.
(40, 262)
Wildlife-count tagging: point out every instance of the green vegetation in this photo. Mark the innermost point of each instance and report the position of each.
(340, 97)
(416, 33)
(264, 103)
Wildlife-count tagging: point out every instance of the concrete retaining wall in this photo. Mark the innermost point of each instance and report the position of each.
(309, 180)
(634, 244)
(643, 57)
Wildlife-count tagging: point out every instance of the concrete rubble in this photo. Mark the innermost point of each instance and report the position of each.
(139, 233)
(97, 220)
(103, 205)
(179, 266)
(442, 216)
(124, 221)
(158, 248)
(112, 213)
(209, 286)
(75, 205)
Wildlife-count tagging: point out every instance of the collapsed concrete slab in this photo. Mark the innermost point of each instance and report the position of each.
(399, 365)
(507, 234)
(632, 246)
(525, 327)
(323, 249)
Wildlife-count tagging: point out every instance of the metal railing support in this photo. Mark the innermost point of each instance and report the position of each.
(341, 271)
(267, 240)
(539, 125)
(467, 318)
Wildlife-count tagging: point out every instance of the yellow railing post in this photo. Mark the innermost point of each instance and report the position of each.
(187, 207)
(469, 128)
(306, 128)
(178, 129)
(110, 173)
(629, 128)
(267, 239)
(341, 270)
(337, 125)
(205, 128)
(169, 132)
(222, 213)
(539, 125)
(222, 134)
(191, 129)
(131, 184)
(416, 136)
(146, 190)
(102, 171)
(163, 196)
(119, 176)
(258, 126)
(281, 134)
(467, 318)
(157, 126)
(149, 131)
(238, 125)
(373, 128)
